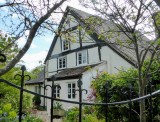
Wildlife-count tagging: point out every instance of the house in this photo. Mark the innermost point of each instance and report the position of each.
(77, 54)
(37, 86)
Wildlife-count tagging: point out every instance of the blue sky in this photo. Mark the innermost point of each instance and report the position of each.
(41, 45)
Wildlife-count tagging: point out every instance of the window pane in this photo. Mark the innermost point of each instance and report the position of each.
(58, 90)
(69, 85)
(73, 85)
(69, 95)
(84, 57)
(62, 62)
(65, 45)
(79, 58)
(73, 96)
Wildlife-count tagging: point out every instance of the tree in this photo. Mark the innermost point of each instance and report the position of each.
(9, 94)
(157, 2)
(119, 88)
(32, 16)
(132, 22)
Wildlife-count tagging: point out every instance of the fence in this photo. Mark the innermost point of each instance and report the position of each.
(80, 103)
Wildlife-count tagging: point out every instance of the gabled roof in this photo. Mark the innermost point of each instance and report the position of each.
(56, 35)
(38, 80)
(126, 53)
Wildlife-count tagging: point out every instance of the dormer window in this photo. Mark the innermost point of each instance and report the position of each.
(65, 45)
(62, 62)
(82, 57)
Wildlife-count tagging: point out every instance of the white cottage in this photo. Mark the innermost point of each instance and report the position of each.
(74, 51)
(37, 86)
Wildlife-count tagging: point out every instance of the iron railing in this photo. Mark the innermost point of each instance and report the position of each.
(80, 103)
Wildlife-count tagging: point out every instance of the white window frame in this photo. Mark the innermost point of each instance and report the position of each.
(71, 91)
(64, 47)
(56, 92)
(84, 57)
(64, 64)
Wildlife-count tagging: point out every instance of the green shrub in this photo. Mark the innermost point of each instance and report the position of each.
(7, 114)
(36, 100)
(92, 118)
(72, 115)
(31, 119)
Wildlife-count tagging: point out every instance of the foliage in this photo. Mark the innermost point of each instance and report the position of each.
(88, 115)
(57, 105)
(31, 119)
(10, 94)
(72, 115)
(124, 86)
(8, 47)
(8, 114)
(126, 26)
(35, 72)
(92, 118)
(20, 17)
(37, 100)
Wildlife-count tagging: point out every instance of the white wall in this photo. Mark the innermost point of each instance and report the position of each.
(69, 22)
(89, 75)
(114, 60)
(93, 55)
(57, 47)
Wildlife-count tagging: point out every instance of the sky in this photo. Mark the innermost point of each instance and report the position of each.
(40, 46)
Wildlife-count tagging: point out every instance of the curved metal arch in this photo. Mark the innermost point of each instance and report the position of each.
(3, 58)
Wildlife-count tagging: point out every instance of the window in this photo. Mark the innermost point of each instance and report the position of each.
(56, 92)
(65, 45)
(82, 57)
(71, 90)
(37, 89)
(62, 62)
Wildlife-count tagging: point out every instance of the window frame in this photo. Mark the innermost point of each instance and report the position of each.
(37, 89)
(83, 53)
(56, 92)
(71, 91)
(63, 45)
(62, 63)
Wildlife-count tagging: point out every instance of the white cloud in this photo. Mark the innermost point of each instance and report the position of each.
(2, 1)
(32, 60)
(33, 45)
(22, 41)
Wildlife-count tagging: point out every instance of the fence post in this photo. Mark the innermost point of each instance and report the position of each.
(106, 101)
(150, 98)
(23, 68)
(79, 82)
(52, 95)
(130, 104)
